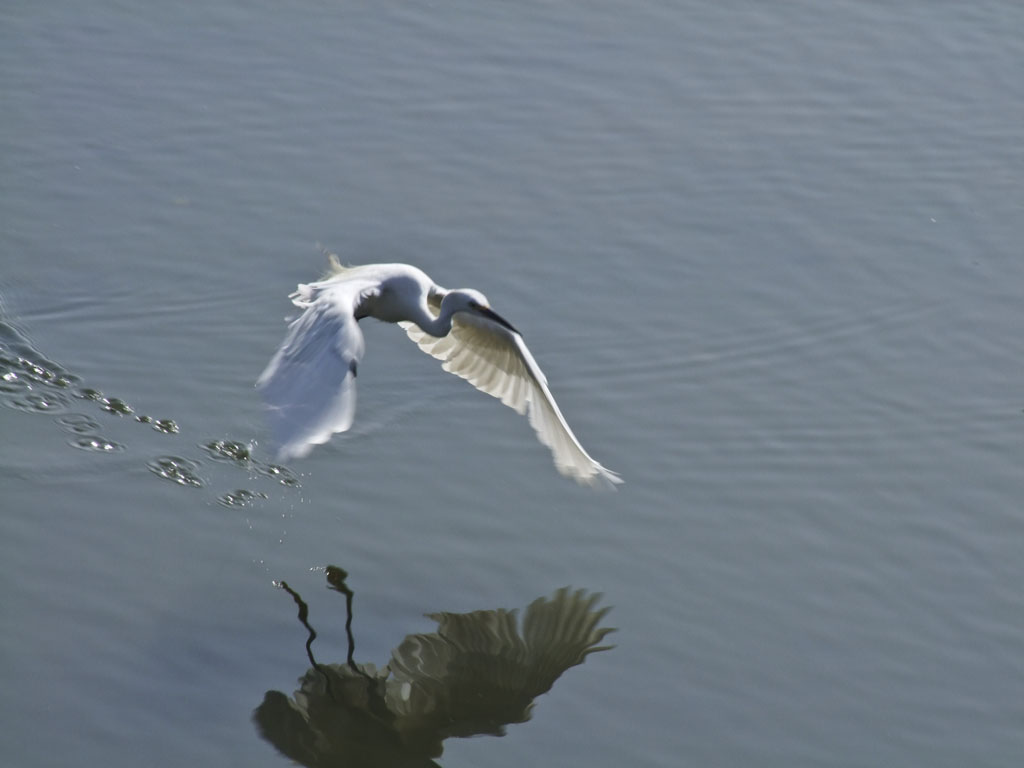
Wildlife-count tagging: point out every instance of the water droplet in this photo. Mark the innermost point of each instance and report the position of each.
(177, 470)
(166, 426)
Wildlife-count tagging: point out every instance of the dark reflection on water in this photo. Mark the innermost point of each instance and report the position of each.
(477, 673)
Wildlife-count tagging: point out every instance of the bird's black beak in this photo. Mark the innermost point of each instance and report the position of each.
(492, 315)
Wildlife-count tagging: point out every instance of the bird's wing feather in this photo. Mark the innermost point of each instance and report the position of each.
(309, 386)
(495, 360)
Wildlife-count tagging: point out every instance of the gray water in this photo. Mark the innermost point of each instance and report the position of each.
(768, 254)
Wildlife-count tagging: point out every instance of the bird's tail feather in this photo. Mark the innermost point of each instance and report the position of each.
(305, 293)
(334, 265)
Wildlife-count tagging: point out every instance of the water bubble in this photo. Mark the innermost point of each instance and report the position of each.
(177, 470)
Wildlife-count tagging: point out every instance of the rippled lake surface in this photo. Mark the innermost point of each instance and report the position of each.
(769, 256)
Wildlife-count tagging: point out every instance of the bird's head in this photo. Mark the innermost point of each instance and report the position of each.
(472, 302)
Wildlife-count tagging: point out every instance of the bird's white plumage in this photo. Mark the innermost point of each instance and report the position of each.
(495, 360)
(309, 385)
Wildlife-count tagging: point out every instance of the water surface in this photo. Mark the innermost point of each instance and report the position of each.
(769, 258)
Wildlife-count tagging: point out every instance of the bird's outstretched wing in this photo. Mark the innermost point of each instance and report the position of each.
(309, 385)
(495, 360)
(482, 670)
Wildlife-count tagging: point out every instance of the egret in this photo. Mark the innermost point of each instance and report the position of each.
(309, 386)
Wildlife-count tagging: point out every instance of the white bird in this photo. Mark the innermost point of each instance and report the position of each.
(309, 384)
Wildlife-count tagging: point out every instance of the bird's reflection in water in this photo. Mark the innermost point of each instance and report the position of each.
(476, 673)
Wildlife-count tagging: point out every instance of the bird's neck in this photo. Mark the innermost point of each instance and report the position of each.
(435, 326)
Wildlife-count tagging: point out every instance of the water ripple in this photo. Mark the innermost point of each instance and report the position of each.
(228, 450)
(283, 475)
(113, 405)
(97, 444)
(240, 498)
(177, 470)
(38, 401)
(78, 424)
(167, 426)
(31, 383)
